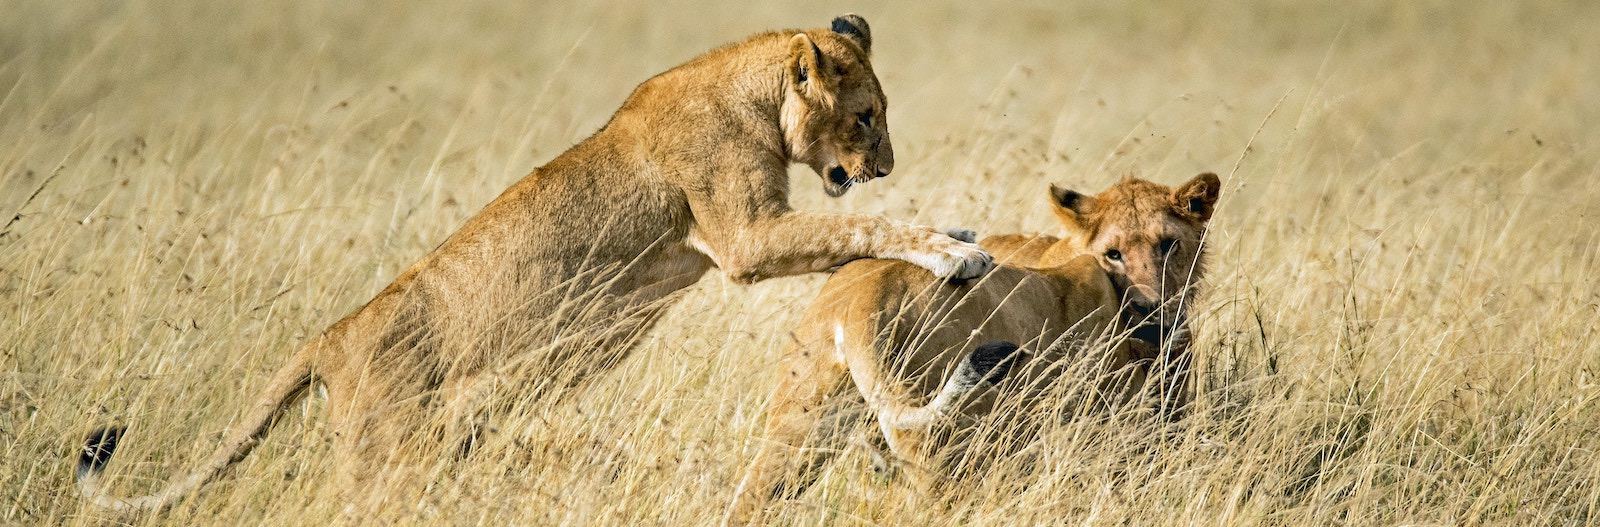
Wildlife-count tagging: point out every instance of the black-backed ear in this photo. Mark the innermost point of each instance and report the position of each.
(854, 27)
(807, 69)
(1072, 208)
(1198, 198)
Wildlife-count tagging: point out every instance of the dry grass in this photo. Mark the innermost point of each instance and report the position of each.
(1400, 326)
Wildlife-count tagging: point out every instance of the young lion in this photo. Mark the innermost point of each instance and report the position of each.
(896, 331)
(578, 258)
(1155, 260)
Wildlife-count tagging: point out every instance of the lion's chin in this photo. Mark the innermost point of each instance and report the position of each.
(835, 190)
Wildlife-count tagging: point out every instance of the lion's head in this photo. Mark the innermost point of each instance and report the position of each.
(833, 109)
(1148, 238)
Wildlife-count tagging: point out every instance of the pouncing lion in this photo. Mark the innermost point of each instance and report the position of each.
(900, 337)
(580, 256)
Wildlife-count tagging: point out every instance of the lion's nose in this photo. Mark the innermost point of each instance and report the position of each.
(883, 172)
(1143, 299)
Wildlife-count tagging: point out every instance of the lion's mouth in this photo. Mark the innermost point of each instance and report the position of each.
(837, 181)
(1150, 328)
(1149, 333)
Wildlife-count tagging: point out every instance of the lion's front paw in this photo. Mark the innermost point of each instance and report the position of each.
(974, 262)
(949, 257)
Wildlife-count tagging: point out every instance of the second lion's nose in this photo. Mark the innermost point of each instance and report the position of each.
(1143, 299)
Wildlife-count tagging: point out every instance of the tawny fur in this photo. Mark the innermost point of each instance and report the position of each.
(579, 257)
(1158, 232)
(897, 333)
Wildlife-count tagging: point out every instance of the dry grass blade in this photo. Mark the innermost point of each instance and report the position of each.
(1399, 327)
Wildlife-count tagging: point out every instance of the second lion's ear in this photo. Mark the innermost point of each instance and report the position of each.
(1197, 198)
(855, 28)
(808, 71)
(1072, 209)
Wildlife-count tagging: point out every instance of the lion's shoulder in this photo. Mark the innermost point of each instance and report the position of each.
(1018, 249)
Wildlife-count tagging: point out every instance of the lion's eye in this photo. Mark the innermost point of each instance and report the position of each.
(1167, 245)
(1113, 255)
(864, 119)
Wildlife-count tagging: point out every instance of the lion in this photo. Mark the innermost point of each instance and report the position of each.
(690, 173)
(1155, 260)
(1128, 258)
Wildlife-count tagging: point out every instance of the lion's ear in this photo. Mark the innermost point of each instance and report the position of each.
(1197, 199)
(1072, 208)
(808, 71)
(855, 28)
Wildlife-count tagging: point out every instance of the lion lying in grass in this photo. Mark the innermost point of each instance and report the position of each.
(900, 334)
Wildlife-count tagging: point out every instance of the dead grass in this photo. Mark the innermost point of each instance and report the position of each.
(1400, 326)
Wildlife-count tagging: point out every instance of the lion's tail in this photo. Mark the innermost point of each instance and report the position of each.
(289, 383)
(986, 364)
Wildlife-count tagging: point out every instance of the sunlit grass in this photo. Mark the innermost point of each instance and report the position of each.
(1399, 325)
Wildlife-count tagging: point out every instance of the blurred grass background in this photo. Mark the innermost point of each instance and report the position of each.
(1399, 327)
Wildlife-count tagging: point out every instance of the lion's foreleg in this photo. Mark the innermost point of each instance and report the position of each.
(795, 243)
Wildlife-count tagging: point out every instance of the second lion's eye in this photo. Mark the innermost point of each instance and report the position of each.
(1113, 255)
(1167, 245)
(864, 119)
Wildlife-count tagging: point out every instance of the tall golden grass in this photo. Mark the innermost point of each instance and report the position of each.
(1399, 324)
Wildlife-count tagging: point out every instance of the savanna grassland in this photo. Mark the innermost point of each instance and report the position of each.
(1399, 324)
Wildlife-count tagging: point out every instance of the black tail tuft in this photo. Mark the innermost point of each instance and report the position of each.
(97, 449)
(993, 360)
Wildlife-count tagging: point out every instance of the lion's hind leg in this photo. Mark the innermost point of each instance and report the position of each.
(795, 412)
(909, 430)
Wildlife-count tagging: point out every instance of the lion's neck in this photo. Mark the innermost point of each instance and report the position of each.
(730, 97)
(1066, 249)
(757, 93)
